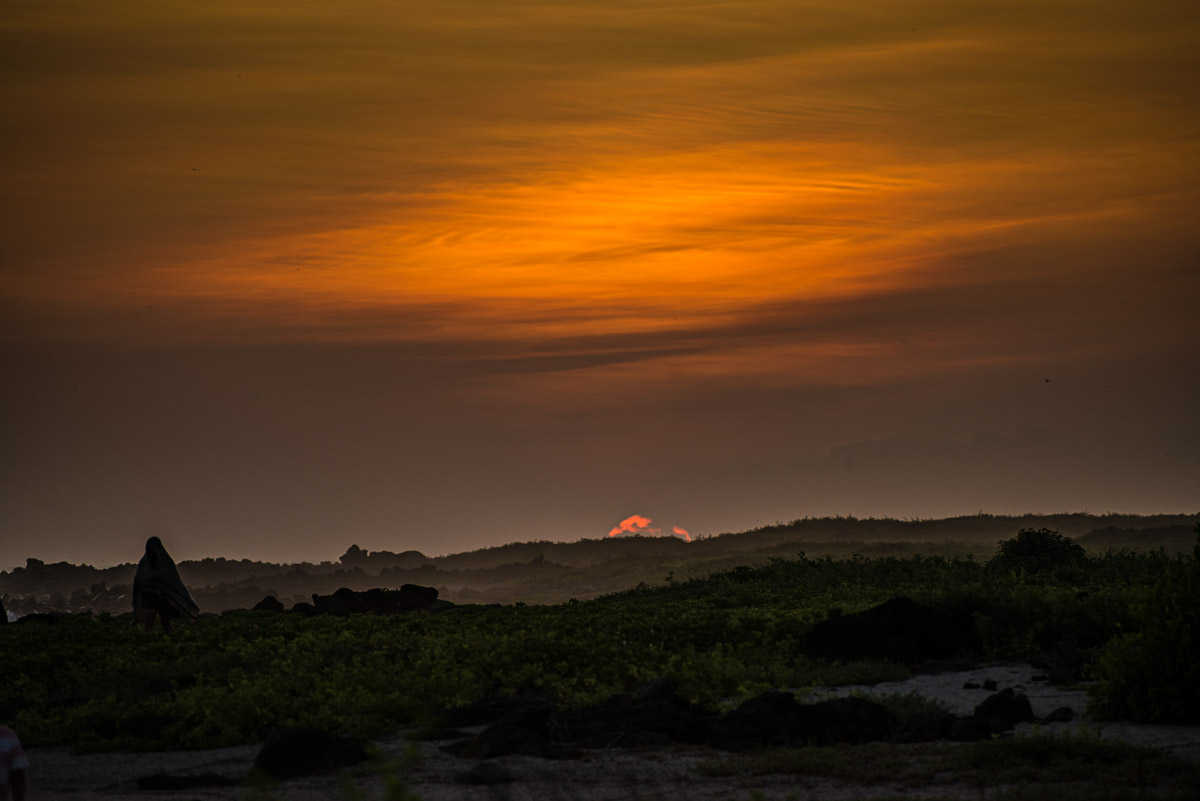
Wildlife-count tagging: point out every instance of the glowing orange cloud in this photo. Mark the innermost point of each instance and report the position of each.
(639, 524)
(634, 524)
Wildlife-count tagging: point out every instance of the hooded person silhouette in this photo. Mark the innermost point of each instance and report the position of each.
(158, 590)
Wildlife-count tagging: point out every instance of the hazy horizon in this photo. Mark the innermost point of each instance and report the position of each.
(278, 279)
(695, 536)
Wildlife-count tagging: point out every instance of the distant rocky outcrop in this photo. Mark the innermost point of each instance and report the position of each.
(409, 598)
(269, 604)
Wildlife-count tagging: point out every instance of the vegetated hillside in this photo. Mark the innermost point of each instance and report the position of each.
(552, 572)
(1127, 619)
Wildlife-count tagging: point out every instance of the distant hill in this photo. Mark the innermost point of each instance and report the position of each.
(552, 572)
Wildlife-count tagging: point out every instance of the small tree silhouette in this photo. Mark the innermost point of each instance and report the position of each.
(1036, 551)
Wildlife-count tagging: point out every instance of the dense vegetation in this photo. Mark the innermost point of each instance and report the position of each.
(98, 682)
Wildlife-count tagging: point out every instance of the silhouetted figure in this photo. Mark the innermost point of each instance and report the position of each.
(158, 590)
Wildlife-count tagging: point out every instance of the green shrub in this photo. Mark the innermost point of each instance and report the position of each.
(1038, 551)
(1153, 674)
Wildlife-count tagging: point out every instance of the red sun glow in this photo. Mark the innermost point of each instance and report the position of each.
(639, 524)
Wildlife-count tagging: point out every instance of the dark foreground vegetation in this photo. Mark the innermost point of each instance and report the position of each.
(1129, 620)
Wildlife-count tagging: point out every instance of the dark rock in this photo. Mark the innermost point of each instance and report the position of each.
(303, 751)
(923, 726)
(852, 720)
(969, 730)
(776, 719)
(1064, 714)
(654, 715)
(268, 604)
(303, 608)
(990, 685)
(899, 629)
(345, 601)
(528, 729)
(486, 773)
(40, 617)
(1039, 677)
(1005, 709)
(171, 781)
(971, 685)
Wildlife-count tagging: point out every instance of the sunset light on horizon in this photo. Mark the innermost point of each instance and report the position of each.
(446, 276)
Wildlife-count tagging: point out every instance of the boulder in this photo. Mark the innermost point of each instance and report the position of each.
(304, 751)
(776, 719)
(527, 729)
(900, 629)
(655, 715)
(1005, 709)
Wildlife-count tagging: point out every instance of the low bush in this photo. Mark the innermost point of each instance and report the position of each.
(1039, 552)
(1152, 674)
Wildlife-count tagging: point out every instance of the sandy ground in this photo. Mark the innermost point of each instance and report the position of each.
(602, 775)
(1179, 741)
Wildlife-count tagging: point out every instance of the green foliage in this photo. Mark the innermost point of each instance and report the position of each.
(99, 683)
(1039, 551)
(1152, 673)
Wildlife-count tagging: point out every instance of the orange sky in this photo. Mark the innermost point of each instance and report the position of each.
(577, 208)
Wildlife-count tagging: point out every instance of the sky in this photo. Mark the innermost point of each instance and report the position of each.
(279, 278)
